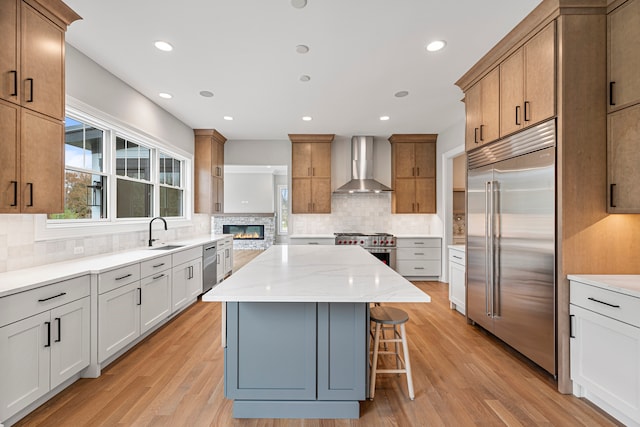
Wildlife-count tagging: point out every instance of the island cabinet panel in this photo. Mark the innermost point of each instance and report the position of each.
(271, 351)
(624, 55)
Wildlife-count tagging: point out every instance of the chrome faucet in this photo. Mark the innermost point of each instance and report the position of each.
(151, 222)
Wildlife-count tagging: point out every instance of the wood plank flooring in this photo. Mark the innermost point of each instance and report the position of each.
(462, 377)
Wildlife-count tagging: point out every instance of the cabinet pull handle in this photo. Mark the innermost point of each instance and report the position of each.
(313, 243)
(517, 115)
(123, 277)
(30, 185)
(55, 296)
(57, 319)
(413, 171)
(158, 276)
(418, 268)
(526, 116)
(611, 188)
(418, 253)
(15, 193)
(313, 171)
(475, 135)
(571, 335)
(457, 257)
(418, 168)
(611, 84)
(48, 344)
(30, 80)
(15, 83)
(139, 296)
(602, 302)
(158, 265)
(481, 128)
(190, 272)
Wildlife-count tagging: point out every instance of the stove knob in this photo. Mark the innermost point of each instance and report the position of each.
(362, 242)
(374, 242)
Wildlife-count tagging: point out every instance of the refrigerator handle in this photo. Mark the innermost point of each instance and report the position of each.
(488, 226)
(495, 248)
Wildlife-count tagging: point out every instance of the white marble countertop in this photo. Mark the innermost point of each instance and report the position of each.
(303, 273)
(628, 284)
(312, 236)
(21, 280)
(462, 248)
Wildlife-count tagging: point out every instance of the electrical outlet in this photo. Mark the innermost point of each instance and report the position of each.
(78, 250)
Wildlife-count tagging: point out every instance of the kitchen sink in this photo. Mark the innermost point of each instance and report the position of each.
(165, 247)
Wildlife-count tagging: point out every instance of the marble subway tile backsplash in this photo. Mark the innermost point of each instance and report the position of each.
(19, 248)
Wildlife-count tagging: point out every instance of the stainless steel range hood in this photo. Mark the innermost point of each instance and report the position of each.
(362, 168)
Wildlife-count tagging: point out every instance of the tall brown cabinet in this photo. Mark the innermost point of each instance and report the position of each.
(311, 173)
(209, 171)
(32, 104)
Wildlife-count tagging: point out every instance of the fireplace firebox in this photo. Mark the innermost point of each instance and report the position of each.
(244, 232)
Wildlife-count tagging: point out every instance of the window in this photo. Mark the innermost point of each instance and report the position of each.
(283, 209)
(85, 186)
(110, 175)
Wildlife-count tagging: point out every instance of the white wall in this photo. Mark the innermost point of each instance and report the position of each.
(248, 193)
(257, 152)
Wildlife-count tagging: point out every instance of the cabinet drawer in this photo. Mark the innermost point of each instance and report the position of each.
(152, 266)
(418, 268)
(25, 304)
(186, 255)
(612, 304)
(117, 277)
(417, 242)
(418, 253)
(457, 256)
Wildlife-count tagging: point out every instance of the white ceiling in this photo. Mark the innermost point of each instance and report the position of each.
(244, 51)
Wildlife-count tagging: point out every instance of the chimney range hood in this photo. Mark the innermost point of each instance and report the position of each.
(362, 168)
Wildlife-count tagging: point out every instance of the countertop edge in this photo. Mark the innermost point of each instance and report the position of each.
(628, 284)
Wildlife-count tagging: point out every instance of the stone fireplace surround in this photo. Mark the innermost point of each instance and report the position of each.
(266, 219)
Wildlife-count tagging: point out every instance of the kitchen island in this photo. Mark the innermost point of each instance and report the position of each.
(295, 329)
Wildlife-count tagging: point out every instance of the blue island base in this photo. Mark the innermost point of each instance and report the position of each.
(296, 409)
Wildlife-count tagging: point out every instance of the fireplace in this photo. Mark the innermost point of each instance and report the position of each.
(244, 232)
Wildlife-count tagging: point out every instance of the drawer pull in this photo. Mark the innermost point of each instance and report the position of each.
(602, 302)
(456, 257)
(419, 268)
(158, 265)
(158, 276)
(418, 253)
(55, 296)
(418, 243)
(123, 277)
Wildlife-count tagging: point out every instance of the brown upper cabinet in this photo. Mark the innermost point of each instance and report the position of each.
(209, 171)
(413, 171)
(624, 55)
(527, 83)
(623, 157)
(482, 103)
(311, 173)
(32, 105)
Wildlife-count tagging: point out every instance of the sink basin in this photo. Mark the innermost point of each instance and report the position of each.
(165, 247)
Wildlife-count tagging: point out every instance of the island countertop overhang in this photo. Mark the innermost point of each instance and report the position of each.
(301, 273)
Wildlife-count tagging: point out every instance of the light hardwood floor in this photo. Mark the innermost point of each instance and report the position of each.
(462, 377)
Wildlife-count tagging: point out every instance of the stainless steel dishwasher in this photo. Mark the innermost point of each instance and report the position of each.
(209, 274)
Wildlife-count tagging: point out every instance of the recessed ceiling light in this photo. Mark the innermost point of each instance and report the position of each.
(306, 118)
(305, 78)
(163, 46)
(206, 93)
(384, 118)
(436, 45)
(401, 94)
(301, 48)
(229, 118)
(298, 4)
(165, 95)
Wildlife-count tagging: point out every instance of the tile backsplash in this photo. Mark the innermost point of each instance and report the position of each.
(20, 249)
(364, 213)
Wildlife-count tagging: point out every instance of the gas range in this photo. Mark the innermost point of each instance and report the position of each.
(367, 240)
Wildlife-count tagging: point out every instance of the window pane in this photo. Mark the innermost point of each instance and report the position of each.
(170, 202)
(93, 148)
(134, 199)
(144, 168)
(83, 145)
(121, 146)
(85, 196)
(170, 170)
(283, 209)
(177, 170)
(133, 157)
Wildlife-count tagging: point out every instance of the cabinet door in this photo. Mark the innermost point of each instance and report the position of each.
(321, 195)
(155, 300)
(42, 164)
(70, 340)
(511, 93)
(342, 351)
(473, 109)
(271, 351)
(300, 195)
(623, 158)
(218, 195)
(425, 158)
(179, 278)
(203, 164)
(405, 160)
(605, 360)
(425, 195)
(42, 64)
(490, 125)
(404, 192)
(321, 160)
(118, 319)
(540, 77)
(300, 159)
(9, 50)
(24, 363)
(220, 265)
(194, 280)
(624, 55)
(9, 144)
(457, 288)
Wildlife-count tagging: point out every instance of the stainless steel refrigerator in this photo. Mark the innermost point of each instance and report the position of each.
(511, 242)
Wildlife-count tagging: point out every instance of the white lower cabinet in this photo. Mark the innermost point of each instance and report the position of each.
(186, 283)
(220, 264)
(155, 300)
(47, 346)
(418, 256)
(118, 319)
(457, 279)
(605, 350)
